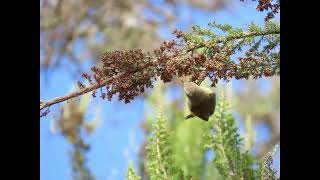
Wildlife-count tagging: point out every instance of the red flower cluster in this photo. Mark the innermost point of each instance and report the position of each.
(127, 74)
(266, 5)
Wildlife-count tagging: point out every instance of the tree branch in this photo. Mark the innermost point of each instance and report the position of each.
(44, 104)
(72, 95)
(230, 38)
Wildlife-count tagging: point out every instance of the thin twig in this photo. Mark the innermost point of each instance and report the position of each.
(230, 38)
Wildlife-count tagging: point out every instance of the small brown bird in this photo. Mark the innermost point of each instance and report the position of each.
(201, 101)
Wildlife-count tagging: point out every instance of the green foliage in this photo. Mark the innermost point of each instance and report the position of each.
(159, 153)
(249, 138)
(265, 170)
(254, 28)
(158, 98)
(263, 107)
(131, 175)
(229, 52)
(188, 153)
(224, 140)
(180, 154)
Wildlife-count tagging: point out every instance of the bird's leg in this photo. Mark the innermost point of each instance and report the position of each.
(189, 116)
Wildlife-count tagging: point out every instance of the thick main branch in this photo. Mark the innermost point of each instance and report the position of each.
(85, 90)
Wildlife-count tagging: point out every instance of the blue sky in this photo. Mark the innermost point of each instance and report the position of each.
(116, 141)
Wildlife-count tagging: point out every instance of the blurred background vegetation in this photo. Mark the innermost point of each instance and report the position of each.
(73, 33)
